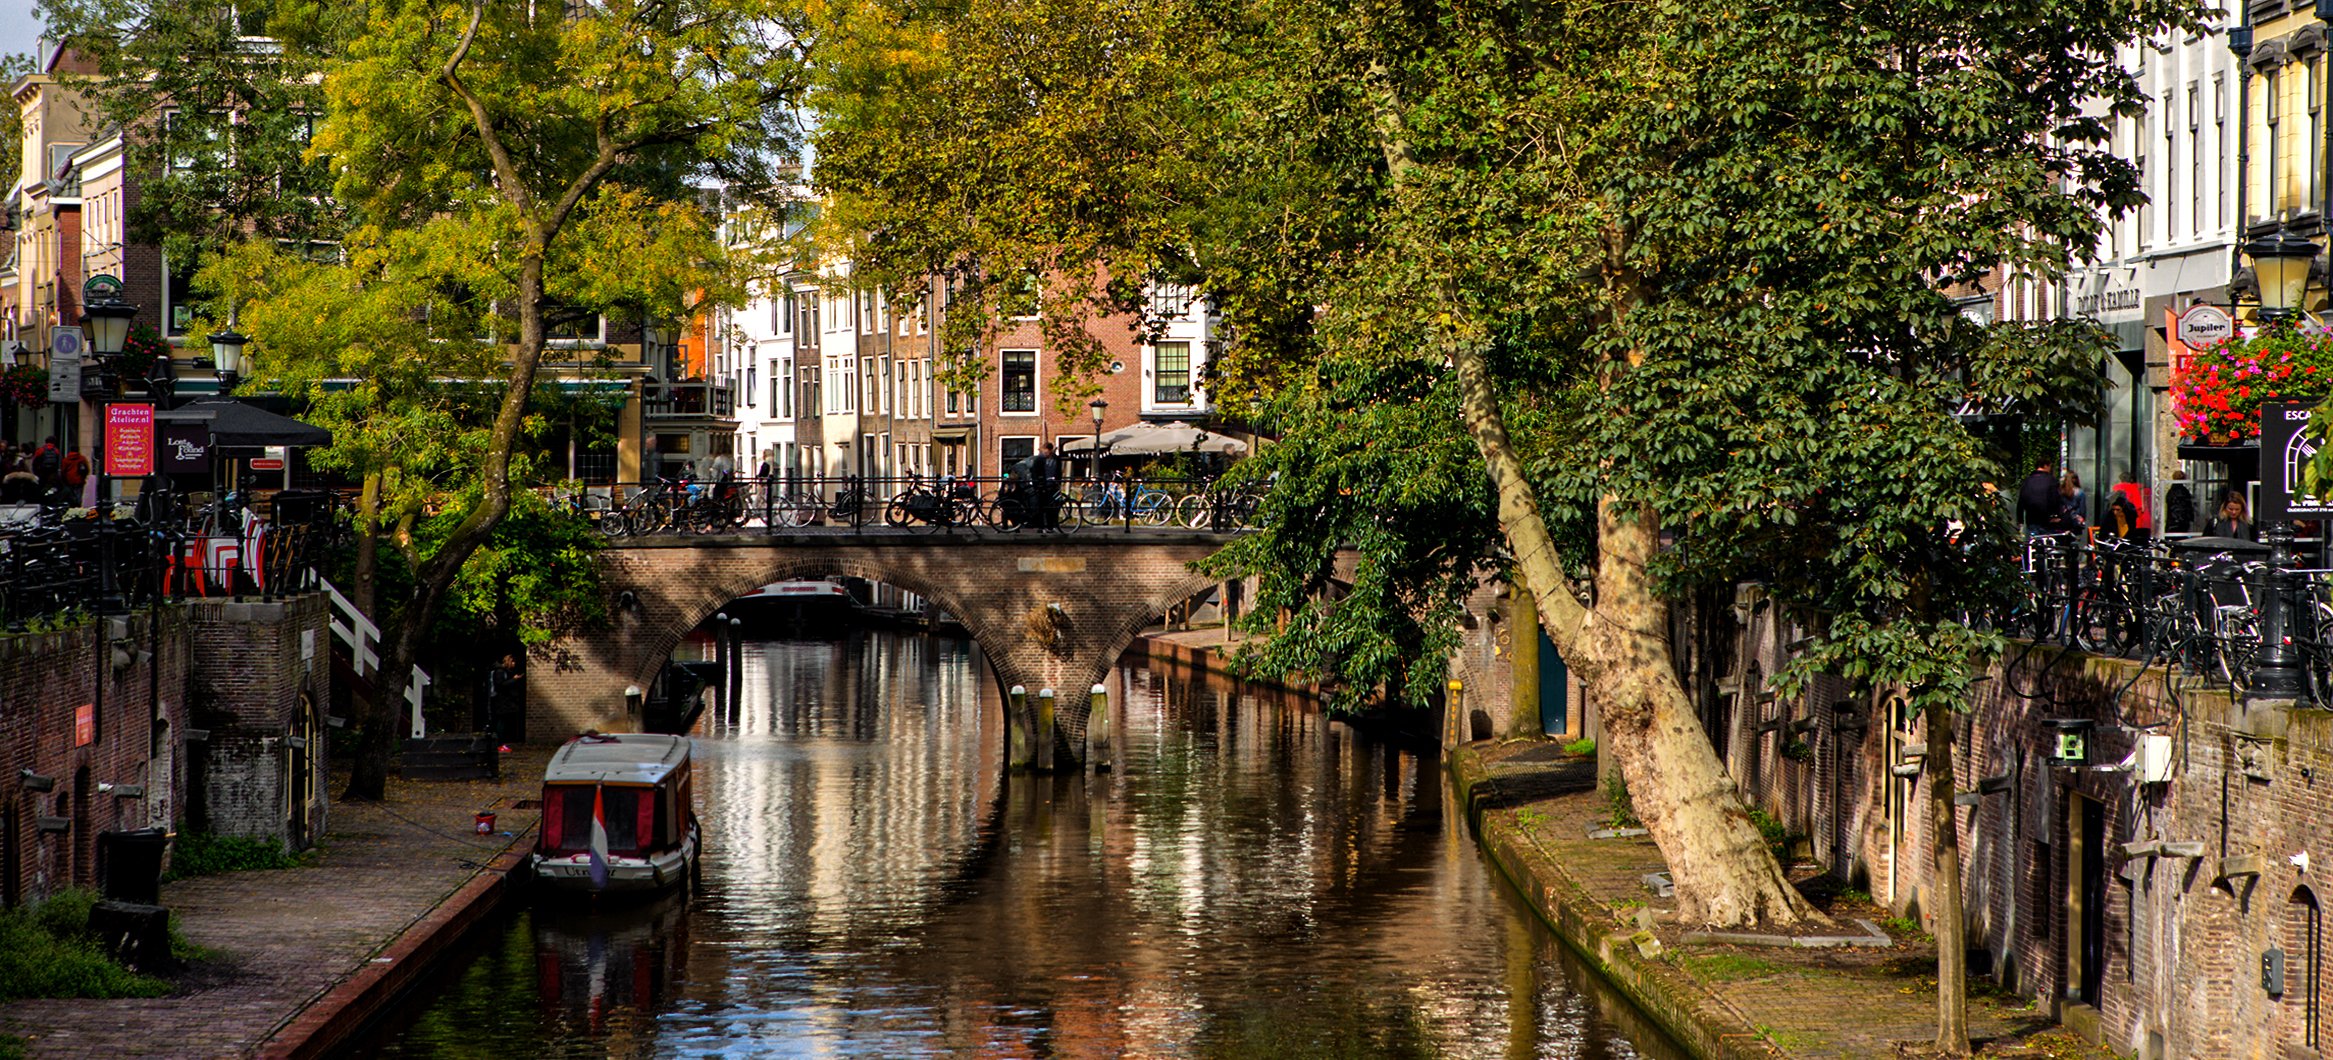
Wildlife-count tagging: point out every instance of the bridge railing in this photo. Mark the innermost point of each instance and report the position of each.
(860, 504)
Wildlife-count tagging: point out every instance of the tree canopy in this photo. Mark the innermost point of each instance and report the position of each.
(1675, 272)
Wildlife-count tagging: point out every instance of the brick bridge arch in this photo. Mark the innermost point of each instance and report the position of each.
(1049, 612)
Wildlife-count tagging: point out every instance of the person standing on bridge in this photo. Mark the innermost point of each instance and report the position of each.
(1045, 475)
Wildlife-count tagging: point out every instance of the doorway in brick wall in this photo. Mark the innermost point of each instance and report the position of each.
(302, 749)
(2085, 897)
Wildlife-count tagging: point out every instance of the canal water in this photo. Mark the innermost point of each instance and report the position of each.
(1252, 880)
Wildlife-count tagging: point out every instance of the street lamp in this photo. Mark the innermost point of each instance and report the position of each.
(227, 354)
(1098, 406)
(2281, 262)
(107, 319)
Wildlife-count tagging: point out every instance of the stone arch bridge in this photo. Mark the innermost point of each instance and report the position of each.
(1049, 611)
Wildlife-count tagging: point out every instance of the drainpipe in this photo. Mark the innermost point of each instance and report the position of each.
(2240, 43)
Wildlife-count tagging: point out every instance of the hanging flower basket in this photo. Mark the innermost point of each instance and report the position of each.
(139, 353)
(2216, 396)
(25, 386)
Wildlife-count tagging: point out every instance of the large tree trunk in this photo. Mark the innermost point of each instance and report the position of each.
(1951, 929)
(365, 587)
(434, 577)
(1724, 873)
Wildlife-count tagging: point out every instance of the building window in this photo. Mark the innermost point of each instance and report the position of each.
(2269, 87)
(2304, 961)
(753, 385)
(177, 298)
(1015, 449)
(2219, 120)
(1172, 374)
(1170, 300)
(1020, 381)
(567, 324)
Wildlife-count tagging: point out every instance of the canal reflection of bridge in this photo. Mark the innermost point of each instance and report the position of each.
(1048, 611)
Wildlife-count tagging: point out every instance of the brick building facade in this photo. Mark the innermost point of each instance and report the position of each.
(115, 724)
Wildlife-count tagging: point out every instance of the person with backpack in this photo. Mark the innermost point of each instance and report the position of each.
(46, 461)
(72, 470)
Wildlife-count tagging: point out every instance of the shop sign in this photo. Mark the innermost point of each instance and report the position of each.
(2115, 304)
(129, 440)
(2285, 452)
(85, 725)
(186, 448)
(2204, 325)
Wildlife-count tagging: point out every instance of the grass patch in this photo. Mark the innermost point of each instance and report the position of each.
(1725, 967)
(1585, 745)
(46, 950)
(1790, 1041)
(1529, 818)
(204, 854)
(1903, 925)
(12, 1048)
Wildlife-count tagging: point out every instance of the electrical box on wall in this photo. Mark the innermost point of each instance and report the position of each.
(2154, 758)
(2072, 746)
(2272, 972)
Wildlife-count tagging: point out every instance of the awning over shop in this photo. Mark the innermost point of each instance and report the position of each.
(236, 425)
(1157, 439)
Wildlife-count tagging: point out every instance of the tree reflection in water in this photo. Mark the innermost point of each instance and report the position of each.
(1252, 880)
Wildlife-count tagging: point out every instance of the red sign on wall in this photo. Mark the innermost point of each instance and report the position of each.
(84, 724)
(129, 440)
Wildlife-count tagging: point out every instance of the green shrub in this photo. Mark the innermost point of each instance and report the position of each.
(1774, 832)
(1585, 745)
(204, 854)
(47, 951)
(1619, 805)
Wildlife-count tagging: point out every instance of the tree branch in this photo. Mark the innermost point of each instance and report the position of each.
(504, 167)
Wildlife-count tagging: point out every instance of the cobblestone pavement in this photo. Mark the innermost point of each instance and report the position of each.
(279, 939)
(1862, 1002)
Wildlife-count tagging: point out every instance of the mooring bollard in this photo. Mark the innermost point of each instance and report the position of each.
(1097, 730)
(1016, 735)
(1045, 716)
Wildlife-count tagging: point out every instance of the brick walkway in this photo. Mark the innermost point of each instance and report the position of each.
(1861, 1002)
(280, 939)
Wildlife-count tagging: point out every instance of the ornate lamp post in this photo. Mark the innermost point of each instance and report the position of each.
(2281, 262)
(227, 354)
(1098, 406)
(107, 320)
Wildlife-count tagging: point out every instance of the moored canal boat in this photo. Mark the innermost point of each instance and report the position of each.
(618, 815)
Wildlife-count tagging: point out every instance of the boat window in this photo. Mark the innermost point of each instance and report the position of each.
(567, 818)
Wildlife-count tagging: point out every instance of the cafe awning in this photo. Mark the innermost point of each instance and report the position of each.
(236, 425)
(1157, 439)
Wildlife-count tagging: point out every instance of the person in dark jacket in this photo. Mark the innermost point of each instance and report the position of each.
(2178, 505)
(2231, 521)
(2038, 503)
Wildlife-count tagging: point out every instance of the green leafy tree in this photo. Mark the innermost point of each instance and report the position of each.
(1674, 274)
(494, 160)
(217, 101)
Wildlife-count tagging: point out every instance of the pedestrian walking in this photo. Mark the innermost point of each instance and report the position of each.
(2038, 504)
(506, 698)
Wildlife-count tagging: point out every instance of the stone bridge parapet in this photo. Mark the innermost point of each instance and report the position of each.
(1048, 611)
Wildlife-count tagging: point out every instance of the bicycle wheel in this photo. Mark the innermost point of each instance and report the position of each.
(1153, 508)
(613, 523)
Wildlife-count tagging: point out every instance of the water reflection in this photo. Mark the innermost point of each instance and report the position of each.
(1253, 880)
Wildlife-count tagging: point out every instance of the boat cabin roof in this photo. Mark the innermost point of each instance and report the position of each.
(617, 758)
